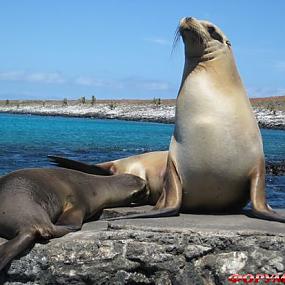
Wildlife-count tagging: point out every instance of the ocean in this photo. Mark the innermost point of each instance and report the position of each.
(26, 140)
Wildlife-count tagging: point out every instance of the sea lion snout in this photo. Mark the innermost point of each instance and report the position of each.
(186, 20)
(202, 39)
(186, 23)
(192, 30)
(141, 196)
(142, 193)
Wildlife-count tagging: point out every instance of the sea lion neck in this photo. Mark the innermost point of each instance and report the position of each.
(216, 65)
(118, 190)
(211, 51)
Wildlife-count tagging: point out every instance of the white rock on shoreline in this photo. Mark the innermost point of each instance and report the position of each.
(139, 112)
(270, 119)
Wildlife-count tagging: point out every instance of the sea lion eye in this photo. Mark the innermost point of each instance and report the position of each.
(211, 30)
(213, 33)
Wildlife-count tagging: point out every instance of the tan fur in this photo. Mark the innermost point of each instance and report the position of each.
(216, 160)
(149, 166)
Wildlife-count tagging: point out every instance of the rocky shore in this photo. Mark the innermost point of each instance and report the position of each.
(164, 113)
(189, 249)
(275, 168)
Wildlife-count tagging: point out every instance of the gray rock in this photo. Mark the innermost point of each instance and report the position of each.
(189, 249)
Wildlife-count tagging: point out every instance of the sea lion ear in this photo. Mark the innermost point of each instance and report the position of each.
(228, 43)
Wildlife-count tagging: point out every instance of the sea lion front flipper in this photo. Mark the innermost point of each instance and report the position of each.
(170, 200)
(80, 166)
(15, 246)
(72, 219)
(171, 197)
(260, 209)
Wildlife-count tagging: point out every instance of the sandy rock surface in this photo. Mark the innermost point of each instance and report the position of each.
(189, 249)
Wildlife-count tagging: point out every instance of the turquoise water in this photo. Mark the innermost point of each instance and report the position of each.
(25, 141)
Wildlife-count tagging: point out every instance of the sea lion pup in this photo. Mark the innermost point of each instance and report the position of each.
(149, 166)
(216, 160)
(49, 203)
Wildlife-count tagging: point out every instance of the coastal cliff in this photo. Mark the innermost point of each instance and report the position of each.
(189, 249)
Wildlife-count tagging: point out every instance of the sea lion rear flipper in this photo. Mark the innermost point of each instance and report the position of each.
(170, 200)
(15, 246)
(260, 209)
(80, 166)
(24, 240)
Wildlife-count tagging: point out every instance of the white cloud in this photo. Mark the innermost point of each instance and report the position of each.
(137, 84)
(89, 81)
(40, 77)
(158, 41)
(280, 65)
(129, 83)
(265, 92)
(150, 85)
(93, 81)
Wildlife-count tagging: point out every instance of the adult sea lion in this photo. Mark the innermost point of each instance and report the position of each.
(216, 160)
(149, 166)
(49, 203)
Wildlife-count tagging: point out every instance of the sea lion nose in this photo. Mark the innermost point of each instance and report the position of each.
(186, 20)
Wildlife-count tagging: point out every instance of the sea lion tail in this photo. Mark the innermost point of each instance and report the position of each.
(79, 166)
(15, 246)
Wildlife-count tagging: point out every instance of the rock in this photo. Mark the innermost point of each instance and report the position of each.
(270, 119)
(275, 168)
(189, 249)
(164, 113)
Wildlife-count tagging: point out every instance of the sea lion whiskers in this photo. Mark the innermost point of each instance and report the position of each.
(176, 39)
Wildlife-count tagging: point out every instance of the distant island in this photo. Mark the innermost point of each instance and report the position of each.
(270, 111)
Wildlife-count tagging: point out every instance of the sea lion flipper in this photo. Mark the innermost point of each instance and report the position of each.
(170, 200)
(24, 240)
(61, 230)
(260, 209)
(155, 213)
(78, 165)
(72, 219)
(171, 196)
(15, 246)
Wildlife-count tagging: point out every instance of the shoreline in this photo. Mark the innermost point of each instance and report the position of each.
(93, 116)
(132, 112)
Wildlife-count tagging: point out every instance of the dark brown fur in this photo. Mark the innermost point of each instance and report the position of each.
(49, 203)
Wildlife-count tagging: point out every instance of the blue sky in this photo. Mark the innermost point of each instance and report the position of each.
(122, 49)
